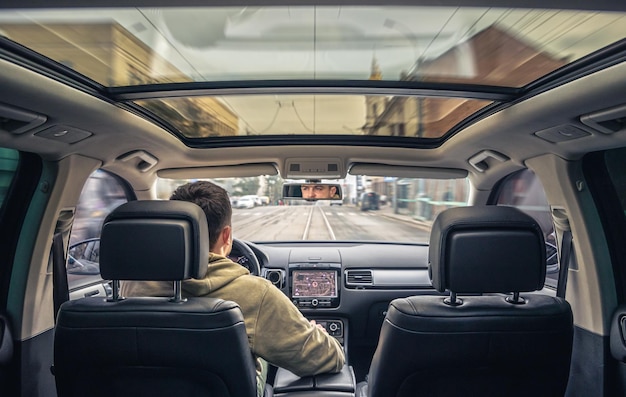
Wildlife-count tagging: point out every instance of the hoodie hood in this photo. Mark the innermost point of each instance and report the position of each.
(221, 272)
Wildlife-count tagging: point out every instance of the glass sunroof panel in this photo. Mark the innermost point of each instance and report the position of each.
(490, 46)
(263, 115)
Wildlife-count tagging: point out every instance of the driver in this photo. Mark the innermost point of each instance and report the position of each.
(315, 191)
(277, 332)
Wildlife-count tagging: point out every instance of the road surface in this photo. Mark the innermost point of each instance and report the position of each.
(322, 222)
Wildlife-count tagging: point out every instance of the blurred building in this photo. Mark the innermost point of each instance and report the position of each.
(111, 55)
(490, 57)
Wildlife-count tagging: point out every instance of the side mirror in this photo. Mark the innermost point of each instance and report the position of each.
(312, 191)
(84, 257)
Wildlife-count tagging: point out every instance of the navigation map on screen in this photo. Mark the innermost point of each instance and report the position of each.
(314, 283)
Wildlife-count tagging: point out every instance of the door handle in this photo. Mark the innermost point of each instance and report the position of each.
(91, 293)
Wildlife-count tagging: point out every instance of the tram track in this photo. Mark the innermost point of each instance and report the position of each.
(318, 218)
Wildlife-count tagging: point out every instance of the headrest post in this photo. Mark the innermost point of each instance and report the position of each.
(516, 299)
(116, 292)
(178, 292)
(452, 300)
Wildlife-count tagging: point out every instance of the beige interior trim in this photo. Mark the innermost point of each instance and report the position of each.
(372, 169)
(230, 171)
(588, 291)
(36, 307)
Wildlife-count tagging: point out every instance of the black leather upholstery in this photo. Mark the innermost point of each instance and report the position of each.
(148, 346)
(486, 249)
(154, 240)
(341, 382)
(485, 346)
(6, 353)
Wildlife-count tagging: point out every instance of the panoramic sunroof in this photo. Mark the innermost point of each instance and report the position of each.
(488, 46)
(261, 115)
(140, 48)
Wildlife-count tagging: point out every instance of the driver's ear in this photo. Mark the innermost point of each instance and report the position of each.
(227, 235)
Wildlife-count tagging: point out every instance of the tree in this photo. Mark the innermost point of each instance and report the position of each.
(274, 187)
(246, 186)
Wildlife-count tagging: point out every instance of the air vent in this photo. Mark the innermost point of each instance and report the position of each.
(359, 277)
(275, 276)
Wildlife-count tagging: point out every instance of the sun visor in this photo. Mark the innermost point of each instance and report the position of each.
(371, 169)
(229, 171)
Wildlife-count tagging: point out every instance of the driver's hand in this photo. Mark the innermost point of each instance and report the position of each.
(318, 326)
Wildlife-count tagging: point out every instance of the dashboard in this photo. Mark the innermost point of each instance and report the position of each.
(345, 286)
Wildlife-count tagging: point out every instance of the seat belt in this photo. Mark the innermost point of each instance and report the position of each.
(60, 289)
(563, 229)
(564, 261)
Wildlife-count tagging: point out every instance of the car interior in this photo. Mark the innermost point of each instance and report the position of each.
(440, 185)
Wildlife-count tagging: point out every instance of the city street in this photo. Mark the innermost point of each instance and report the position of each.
(323, 222)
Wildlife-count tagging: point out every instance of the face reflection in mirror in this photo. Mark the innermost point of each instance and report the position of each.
(314, 191)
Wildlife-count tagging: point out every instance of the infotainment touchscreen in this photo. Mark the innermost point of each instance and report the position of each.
(314, 283)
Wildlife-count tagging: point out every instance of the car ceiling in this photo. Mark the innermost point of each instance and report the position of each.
(116, 131)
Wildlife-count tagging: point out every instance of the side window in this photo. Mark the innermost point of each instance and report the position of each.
(101, 194)
(8, 165)
(615, 162)
(524, 191)
(605, 173)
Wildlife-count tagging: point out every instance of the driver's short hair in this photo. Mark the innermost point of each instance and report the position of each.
(213, 200)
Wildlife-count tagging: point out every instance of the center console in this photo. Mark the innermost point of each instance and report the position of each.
(313, 281)
(341, 384)
(314, 285)
(334, 327)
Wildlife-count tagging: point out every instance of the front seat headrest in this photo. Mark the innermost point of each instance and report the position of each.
(154, 240)
(486, 249)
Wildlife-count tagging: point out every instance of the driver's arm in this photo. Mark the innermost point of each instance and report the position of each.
(288, 340)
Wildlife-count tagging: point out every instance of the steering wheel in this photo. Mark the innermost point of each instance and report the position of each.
(247, 257)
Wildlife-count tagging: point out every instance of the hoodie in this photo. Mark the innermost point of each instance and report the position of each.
(277, 331)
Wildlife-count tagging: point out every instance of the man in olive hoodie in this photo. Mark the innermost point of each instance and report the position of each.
(277, 332)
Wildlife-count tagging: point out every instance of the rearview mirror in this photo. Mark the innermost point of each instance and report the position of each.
(312, 191)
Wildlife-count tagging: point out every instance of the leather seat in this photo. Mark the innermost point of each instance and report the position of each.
(6, 351)
(153, 346)
(484, 343)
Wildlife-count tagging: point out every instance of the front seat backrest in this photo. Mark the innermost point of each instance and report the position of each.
(153, 346)
(492, 341)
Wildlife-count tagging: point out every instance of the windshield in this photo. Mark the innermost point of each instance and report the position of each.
(372, 208)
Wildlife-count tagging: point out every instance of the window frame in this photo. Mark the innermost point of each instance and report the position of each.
(79, 281)
(550, 282)
(607, 203)
(13, 212)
